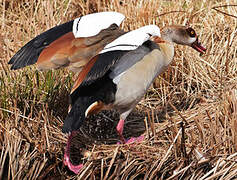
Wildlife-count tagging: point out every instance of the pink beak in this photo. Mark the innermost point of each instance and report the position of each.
(197, 45)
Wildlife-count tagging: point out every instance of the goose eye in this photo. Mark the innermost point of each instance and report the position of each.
(191, 32)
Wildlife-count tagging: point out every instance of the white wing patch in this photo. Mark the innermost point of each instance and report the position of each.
(92, 24)
(117, 78)
(132, 39)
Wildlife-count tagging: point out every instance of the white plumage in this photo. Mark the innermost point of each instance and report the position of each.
(92, 24)
(132, 39)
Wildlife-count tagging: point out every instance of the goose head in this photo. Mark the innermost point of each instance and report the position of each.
(182, 35)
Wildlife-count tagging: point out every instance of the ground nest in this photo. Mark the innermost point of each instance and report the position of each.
(100, 129)
(170, 150)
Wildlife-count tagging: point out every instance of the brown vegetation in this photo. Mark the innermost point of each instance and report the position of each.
(190, 113)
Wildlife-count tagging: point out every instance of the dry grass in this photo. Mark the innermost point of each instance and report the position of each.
(191, 120)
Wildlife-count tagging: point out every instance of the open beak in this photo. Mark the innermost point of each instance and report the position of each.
(197, 45)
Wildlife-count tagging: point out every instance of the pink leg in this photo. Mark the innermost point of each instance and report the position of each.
(119, 128)
(76, 169)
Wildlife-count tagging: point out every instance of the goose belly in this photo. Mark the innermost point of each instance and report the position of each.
(134, 82)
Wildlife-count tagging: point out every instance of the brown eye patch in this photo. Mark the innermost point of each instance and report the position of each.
(191, 32)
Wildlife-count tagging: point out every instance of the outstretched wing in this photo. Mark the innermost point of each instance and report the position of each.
(71, 44)
(118, 56)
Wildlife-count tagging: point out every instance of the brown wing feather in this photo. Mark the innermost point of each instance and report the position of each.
(76, 52)
(56, 54)
(81, 76)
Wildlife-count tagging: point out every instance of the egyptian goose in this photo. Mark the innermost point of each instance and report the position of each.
(114, 68)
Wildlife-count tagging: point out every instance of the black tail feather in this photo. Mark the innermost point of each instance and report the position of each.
(30, 52)
(103, 90)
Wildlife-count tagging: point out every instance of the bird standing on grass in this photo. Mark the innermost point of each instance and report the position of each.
(115, 68)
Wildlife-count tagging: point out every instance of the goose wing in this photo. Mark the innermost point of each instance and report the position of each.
(70, 44)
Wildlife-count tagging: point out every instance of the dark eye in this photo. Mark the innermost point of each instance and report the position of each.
(191, 32)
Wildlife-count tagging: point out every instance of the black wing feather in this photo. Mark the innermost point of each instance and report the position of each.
(117, 62)
(95, 78)
(30, 52)
(104, 62)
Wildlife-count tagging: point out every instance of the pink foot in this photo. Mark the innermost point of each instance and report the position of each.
(133, 139)
(76, 169)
